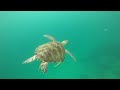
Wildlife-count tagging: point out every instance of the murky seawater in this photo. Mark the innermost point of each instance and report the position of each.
(94, 39)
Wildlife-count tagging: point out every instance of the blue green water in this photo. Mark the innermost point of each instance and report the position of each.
(94, 39)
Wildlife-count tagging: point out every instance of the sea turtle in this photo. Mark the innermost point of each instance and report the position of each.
(53, 51)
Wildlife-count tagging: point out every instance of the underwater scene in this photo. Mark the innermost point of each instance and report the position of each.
(59, 44)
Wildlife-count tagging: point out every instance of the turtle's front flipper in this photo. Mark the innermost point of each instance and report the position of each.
(49, 37)
(30, 59)
(44, 66)
(70, 54)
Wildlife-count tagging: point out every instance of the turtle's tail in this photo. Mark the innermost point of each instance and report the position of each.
(29, 60)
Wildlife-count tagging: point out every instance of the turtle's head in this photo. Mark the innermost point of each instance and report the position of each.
(64, 42)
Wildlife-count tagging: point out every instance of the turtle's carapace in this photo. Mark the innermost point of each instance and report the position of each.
(53, 51)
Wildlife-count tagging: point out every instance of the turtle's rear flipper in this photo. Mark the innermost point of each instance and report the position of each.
(30, 59)
(44, 66)
(49, 37)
